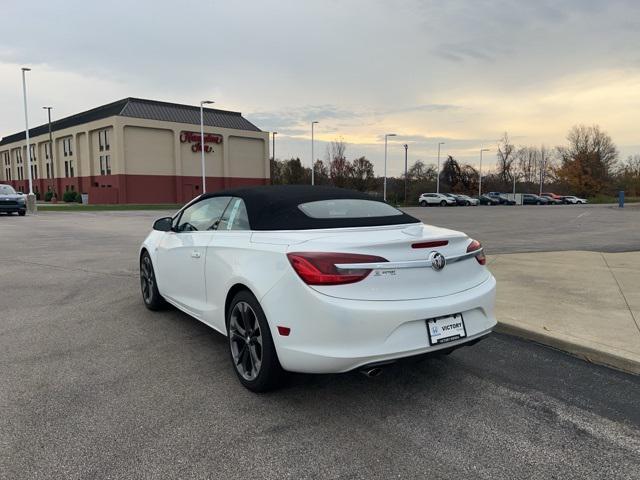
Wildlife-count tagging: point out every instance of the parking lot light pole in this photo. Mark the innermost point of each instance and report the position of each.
(31, 198)
(406, 147)
(273, 149)
(438, 172)
(202, 104)
(384, 188)
(480, 172)
(313, 161)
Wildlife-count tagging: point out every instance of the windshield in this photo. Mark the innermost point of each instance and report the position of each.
(347, 208)
(7, 190)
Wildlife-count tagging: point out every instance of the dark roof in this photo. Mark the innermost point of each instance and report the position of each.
(275, 207)
(147, 109)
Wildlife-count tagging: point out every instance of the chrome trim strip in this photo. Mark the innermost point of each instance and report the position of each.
(405, 264)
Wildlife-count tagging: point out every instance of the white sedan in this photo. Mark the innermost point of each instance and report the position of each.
(574, 200)
(317, 280)
(427, 199)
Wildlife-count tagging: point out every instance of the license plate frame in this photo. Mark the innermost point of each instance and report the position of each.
(438, 336)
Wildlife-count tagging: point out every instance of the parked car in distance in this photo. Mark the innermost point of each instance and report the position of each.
(441, 199)
(257, 265)
(12, 201)
(468, 201)
(533, 199)
(487, 200)
(502, 199)
(553, 198)
(573, 200)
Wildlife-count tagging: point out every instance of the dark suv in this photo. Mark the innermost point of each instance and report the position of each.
(532, 199)
(10, 201)
(502, 200)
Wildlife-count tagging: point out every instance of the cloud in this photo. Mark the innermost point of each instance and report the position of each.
(461, 71)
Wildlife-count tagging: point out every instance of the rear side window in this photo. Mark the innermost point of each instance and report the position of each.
(235, 216)
(347, 208)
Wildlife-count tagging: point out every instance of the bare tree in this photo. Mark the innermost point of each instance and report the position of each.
(336, 150)
(506, 155)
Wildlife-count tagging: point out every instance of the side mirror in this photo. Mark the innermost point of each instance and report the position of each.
(164, 224)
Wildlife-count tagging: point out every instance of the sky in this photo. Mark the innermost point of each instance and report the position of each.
(461, 72)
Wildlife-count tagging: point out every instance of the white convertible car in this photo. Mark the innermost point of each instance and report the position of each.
(317, 280)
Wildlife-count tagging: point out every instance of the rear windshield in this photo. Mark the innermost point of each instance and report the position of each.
(347, 208)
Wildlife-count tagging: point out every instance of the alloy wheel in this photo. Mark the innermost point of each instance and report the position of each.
(146, 279)
(245, 338)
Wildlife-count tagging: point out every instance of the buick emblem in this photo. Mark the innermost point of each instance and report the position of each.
(437, 261)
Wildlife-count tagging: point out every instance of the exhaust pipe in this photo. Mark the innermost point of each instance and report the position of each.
(371, 372)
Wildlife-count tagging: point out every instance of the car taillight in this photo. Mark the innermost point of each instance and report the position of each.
(319, 268)
(474, 246)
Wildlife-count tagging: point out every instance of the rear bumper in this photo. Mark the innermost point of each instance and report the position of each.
(332, 335)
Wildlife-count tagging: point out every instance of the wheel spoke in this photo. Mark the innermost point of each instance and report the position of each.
(241, 352)
(254, 357)
(250, 364)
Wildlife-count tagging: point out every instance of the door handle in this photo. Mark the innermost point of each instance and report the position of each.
(195, 254)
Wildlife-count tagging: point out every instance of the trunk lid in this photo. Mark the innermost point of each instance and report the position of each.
(396, 245)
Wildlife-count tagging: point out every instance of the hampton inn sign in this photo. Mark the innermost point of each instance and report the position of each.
(196, 140)
(138, 151)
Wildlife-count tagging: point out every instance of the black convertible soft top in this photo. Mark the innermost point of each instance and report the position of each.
(275, 207)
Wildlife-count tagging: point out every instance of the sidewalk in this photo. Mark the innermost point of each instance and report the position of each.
(585, 303)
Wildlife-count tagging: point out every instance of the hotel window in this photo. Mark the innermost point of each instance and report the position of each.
(103, 140)
(32, 152)
(71, 167)
(66, 168)
(48, 170)
(47, 150)
(34, 171)
(101, 165)
(107, 164)
(66, 145)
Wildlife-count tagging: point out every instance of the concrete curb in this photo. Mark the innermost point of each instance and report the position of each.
(569, 345)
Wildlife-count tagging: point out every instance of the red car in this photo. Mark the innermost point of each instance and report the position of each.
(553, 198)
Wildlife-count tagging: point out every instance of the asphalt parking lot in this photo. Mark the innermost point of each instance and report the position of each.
(96, 386)
(518, 229)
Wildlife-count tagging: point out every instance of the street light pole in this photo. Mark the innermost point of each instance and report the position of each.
(438, 176)
(51, 162)
(273, 150)
(480, 172)
(406, 147)
(312, 155)
(31, 200)
(384, 188)
(204, 180)
(26, 126)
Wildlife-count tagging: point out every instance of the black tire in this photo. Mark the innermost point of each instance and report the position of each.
(149, 287)
(22, 213)
(466, 204)
(247, 327)
(443, 203)
(423, 203)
